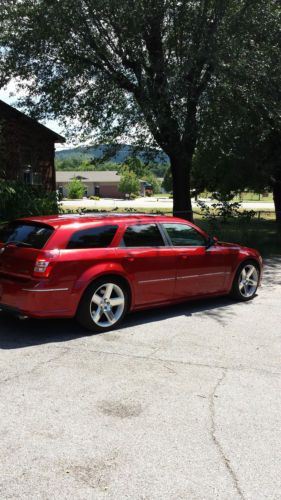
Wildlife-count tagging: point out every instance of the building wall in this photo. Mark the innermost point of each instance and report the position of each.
(107, 190)
(22, 146)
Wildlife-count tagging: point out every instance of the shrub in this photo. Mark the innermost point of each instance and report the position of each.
(21, 200)
(224, 209)
(94, 198)
(76, 189)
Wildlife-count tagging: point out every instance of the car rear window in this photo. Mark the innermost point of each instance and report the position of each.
(142, 235)
(95, 237)
(26, 234)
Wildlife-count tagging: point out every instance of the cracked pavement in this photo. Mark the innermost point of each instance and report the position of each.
(181, 402)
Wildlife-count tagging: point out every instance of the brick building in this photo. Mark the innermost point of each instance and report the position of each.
(27, 149)
(100, 183)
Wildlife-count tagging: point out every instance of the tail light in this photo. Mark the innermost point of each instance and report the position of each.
(45, 263)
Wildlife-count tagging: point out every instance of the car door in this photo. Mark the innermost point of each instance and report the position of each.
(200, 270)
(148, 262)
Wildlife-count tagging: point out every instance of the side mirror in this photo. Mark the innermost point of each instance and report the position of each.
(211, 241)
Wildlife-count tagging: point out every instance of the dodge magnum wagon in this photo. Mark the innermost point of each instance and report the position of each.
(98, 267)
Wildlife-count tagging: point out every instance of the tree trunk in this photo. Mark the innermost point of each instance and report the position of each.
(180, 167)
(277, 200)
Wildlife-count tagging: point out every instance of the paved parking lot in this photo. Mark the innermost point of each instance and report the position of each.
(179, 403)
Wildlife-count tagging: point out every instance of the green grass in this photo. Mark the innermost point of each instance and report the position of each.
(254, 197)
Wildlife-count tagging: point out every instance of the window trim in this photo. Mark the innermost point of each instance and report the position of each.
(182, 246)
(160, 229)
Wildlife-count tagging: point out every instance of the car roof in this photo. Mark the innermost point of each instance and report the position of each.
(56, 221)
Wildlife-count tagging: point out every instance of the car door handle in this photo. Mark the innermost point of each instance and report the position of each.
(183, 257)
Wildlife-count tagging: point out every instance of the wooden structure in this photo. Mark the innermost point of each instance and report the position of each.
(27, 149)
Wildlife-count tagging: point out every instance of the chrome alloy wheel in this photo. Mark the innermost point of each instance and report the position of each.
(107, 305)
(248, 281)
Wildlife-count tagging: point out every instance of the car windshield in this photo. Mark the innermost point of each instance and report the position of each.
(25, 234)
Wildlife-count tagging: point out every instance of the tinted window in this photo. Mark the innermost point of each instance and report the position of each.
(32, 235)
(142, 235)
(95, 237)
(182, 235)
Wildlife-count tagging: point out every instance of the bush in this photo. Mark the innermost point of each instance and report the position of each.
(21, 200)
(76, 189)
(94, 198)
(224, 209)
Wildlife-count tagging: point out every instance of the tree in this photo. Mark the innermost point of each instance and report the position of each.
(142, 67)
(76, 189)
(168, 181)
(134, 165)
(239, 144)
(129, 183)
(151, 179)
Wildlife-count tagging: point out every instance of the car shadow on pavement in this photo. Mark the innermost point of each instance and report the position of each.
(16, 334)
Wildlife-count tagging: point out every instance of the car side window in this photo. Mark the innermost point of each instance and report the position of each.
(183, 235)
(94, 237)
(142, 235)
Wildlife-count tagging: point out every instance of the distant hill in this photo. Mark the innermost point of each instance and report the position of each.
(122, 152)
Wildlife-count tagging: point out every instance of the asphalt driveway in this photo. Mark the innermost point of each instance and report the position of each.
(179, 403)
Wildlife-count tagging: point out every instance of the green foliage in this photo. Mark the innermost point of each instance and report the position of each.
(134, 165)
(76, 189)
(129, 183)
(21, 200)
(141, 172)
(167, 183)
(94, 198)
(156, 188)
(224, 209)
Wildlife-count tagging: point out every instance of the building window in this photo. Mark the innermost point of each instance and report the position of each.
(27, 174)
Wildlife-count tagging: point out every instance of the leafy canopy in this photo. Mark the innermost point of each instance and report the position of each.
(134, 67)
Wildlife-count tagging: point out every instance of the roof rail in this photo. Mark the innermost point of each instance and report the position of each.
(107, 214)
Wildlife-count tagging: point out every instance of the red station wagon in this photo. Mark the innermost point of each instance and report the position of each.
(98, 267)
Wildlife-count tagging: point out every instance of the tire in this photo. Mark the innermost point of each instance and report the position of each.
(103, 305)
(246, 281)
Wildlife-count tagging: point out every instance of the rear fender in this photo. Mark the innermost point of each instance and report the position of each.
(96, 272)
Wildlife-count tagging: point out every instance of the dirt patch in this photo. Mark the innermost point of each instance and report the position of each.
(120, 409)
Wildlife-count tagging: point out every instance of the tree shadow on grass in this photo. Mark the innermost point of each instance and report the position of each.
(16, 334)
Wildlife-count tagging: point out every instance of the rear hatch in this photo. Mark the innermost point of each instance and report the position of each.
(20, 244)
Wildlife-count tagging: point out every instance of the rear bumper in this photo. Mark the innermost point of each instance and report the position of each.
(36, 299)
